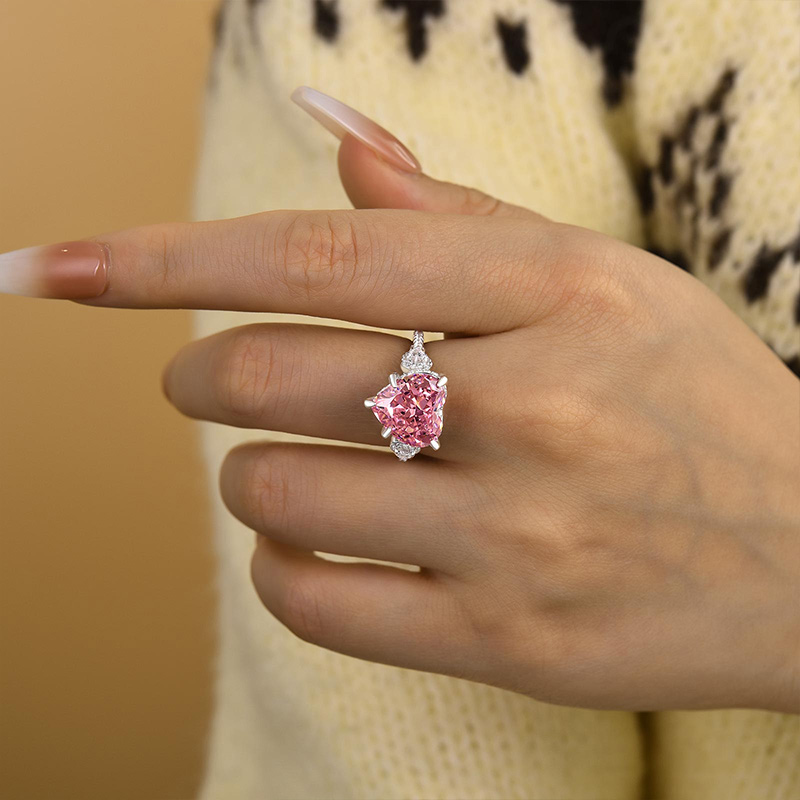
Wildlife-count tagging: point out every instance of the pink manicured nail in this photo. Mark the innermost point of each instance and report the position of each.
(340, 119)
(69, 271)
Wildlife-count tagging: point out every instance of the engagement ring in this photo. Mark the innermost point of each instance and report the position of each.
(410, 407)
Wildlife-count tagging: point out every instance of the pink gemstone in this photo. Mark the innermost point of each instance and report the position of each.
(411, 409)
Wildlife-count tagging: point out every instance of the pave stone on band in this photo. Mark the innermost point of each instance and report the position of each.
(410, 407)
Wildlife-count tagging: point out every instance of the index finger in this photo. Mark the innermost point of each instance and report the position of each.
(388, 268)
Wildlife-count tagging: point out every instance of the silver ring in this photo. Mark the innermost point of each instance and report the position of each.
(410, 408)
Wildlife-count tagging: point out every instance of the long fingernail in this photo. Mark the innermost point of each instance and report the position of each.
(69, 271)
(340, 119)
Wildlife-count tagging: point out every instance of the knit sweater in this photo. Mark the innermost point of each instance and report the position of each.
(674, 125)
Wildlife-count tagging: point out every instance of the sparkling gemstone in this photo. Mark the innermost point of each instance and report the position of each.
(416, 361)
(402, 450)
(412, 409)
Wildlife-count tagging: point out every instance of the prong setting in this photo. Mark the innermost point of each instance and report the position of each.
(411, 405)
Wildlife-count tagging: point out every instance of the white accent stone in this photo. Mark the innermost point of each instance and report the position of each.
(402, 450)
(416, 361)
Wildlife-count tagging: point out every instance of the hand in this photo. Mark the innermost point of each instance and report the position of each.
(612, 520)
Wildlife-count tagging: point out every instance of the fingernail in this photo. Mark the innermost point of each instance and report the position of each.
(69, 271)
(340, 119)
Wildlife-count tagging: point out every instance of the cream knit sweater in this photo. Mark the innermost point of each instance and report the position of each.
(675, 126)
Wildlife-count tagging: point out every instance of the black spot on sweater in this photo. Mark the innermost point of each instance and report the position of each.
(613, 26)
(686, 133)
(761, 270)
(763, 267)
(718, 140)
(514, 39)
(326, 19)
(416, 12)
(665, 151)
(687, 191)
(719, 193)
(720, 245)
(673, 180)
(713, 104)
(644, 187)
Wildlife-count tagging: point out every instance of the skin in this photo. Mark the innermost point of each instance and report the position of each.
(613, 518)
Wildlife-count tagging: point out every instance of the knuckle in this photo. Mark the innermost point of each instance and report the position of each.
(321, 252)
(531, 538)
(529, 633)
(566, 410)
(245, 370)
(607, 299)
(300, 608)
(554, 420)
(168, 250)
(270, 489)
(526, 269)
(594, 284)
(568, 424)
(547, 642)
(475, 202)
(484, 620)
(523, 634)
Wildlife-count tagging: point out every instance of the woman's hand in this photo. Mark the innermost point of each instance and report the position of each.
(613, 518)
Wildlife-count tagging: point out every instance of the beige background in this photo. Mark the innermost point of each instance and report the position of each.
(105, 589)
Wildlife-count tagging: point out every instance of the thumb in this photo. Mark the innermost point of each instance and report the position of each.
(378, 171)
(371, 182)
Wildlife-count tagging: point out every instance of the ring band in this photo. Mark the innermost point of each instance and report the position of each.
(410, 407)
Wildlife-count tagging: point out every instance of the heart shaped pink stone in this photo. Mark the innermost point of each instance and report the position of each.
(411, 409)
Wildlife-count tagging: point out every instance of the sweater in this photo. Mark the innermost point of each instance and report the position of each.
(670, 124)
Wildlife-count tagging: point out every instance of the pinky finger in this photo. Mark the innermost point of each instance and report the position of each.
(369, 611)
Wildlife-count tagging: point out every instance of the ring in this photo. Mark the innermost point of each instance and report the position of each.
(410, 407)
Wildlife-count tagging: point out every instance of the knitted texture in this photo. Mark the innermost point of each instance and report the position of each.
(543, 104)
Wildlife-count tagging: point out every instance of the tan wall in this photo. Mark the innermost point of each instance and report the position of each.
(105, 593)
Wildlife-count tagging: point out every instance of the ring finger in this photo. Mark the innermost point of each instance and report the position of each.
(304, 379)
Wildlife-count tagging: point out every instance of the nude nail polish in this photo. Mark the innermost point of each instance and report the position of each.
(68, 271)
(340, 119)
